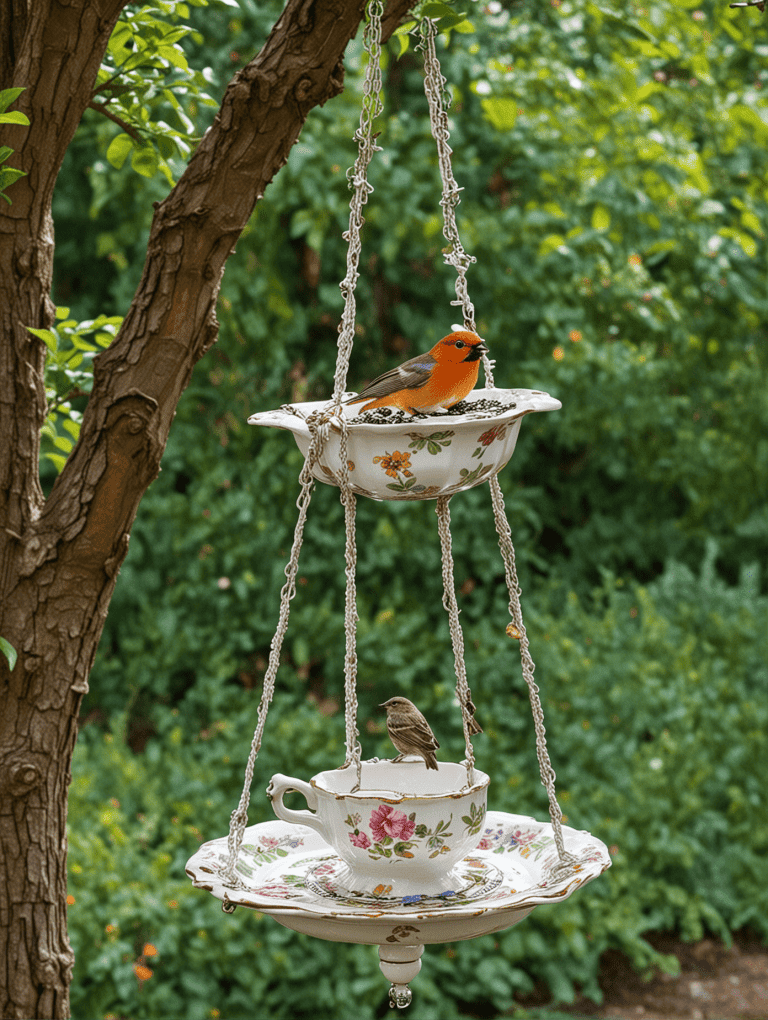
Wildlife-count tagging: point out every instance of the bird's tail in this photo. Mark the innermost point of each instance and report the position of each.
(472, 724)
(474, 727)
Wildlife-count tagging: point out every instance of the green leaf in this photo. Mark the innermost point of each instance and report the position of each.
(8, 96)
(601, 218)
(14, 117)
(48, 337)
(57, 460)
(500, 112)
(118, 150)
(174, 56)
(551, 243)
(436, 9)
(145, 161)
(8, 175)
(72, 426)
(5, 646)
(751, 222)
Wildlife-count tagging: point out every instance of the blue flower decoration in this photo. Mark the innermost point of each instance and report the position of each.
(411, 899)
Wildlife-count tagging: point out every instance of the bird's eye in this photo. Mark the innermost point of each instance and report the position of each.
(460, 344)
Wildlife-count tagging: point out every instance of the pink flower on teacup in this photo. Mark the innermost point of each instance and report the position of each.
(385, 821)
(360, 839)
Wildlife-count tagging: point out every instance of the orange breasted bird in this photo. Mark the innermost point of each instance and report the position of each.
(429, 382)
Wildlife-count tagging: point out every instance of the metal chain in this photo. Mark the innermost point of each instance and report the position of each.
(545, 765)
(348, 500)
(357, 176)
(463, 692)
(439, 101)
(239, 817)
(319, 426)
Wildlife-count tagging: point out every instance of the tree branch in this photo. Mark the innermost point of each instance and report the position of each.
(106, 112)
(171, 322)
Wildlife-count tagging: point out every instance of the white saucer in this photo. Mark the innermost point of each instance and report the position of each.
(290, 873)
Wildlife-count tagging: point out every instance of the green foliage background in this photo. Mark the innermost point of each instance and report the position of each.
(616, 202)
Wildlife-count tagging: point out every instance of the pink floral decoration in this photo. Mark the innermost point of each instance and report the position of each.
(385, 821)
(360, 839)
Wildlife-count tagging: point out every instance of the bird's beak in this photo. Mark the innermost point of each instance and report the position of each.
(477, 352)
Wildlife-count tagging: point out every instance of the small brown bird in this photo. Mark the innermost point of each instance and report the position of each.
(409, 731)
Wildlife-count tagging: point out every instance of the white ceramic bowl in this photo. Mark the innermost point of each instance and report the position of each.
(423, 458)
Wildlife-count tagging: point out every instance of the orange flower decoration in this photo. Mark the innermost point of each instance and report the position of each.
(149, 949)
(142, 973)
(395, 463)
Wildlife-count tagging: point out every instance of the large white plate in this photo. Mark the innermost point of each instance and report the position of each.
(288, 872)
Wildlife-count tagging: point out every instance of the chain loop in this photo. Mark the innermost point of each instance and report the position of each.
(319, 424)
(357, 176)
(239, 817)
(348, 500)
(439, 100)
(545, 765)
(463, 693)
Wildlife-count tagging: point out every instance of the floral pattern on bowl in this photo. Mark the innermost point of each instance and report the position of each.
(422, 458)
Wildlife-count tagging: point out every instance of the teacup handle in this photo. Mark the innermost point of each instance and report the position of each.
(279, 785)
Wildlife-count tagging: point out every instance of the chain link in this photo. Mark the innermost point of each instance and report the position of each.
(319, 425)
(239, 817)
(545, 765)
(463, 693)
(357, 176)
(348, 499)
(439, 100)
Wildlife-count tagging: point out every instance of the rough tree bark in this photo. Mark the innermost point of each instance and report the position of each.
(59, 557)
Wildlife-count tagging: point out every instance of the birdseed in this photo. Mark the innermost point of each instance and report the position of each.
(390, 416)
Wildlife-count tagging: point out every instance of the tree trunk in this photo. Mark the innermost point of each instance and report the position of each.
(59, 558)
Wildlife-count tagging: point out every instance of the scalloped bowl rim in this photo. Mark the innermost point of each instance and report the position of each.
(526, 401)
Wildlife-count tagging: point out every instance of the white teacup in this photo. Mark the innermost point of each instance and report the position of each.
(406, 828)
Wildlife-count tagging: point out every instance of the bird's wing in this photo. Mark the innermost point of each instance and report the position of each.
(410, 728)
(411, 375)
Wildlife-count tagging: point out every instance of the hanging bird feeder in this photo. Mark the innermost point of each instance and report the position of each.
(397, 854)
